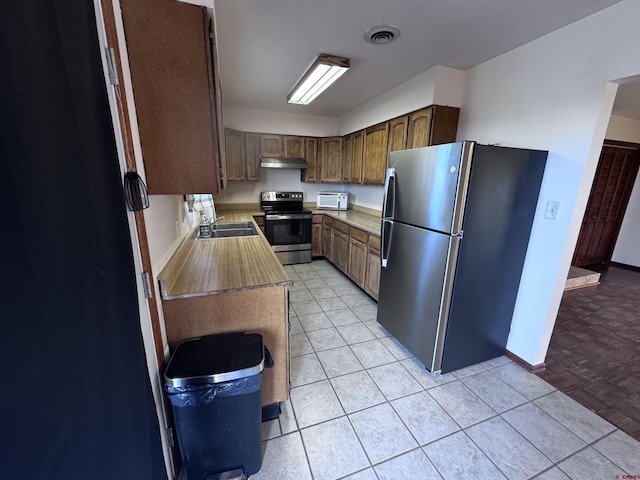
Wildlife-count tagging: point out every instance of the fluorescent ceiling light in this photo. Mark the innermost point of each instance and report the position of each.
(321, 74)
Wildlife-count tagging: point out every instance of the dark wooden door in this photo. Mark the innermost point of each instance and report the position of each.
(608, 200)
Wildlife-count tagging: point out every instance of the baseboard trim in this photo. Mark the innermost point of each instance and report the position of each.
(524, 364)
(625, 266)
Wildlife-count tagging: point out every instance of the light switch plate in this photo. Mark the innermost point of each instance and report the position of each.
(552, 211)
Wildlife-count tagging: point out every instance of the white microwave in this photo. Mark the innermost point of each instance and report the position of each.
(332, 200)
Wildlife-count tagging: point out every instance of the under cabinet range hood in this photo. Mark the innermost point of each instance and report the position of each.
(299, 163)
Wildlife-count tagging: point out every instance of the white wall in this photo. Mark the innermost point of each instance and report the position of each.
(553, 94)
(626, 250)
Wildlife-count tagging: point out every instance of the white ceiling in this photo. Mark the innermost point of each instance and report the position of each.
(266, 45)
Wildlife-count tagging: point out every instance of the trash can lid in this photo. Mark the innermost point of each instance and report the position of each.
(215, 359)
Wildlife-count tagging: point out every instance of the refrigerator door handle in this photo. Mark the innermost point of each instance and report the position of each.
(388, 206)
(385, 242)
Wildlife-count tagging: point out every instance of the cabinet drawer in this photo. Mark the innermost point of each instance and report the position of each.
(317, 218)
(359, 235)
(327, 220)
(341, 227)
(374, 242)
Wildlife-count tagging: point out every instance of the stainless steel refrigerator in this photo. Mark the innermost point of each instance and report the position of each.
(455, 230)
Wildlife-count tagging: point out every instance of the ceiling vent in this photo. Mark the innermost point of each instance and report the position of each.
(382, 34)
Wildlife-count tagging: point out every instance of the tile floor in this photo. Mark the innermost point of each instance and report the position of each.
(363, 408)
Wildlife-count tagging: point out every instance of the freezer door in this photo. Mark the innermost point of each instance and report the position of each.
(428, 187)
(415, 289)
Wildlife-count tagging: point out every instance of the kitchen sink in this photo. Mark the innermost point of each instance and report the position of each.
(232, 229)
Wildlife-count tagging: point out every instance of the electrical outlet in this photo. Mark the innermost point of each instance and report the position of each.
(552, 211)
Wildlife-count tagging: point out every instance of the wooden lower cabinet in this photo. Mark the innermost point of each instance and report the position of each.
(316, 236)
(358, 256)
(259, 219)
(372, 277)
(327, 237)
(257, 310)
(340, 246)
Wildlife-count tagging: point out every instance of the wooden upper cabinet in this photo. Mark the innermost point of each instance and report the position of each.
(419, 128)
(374, 165)
(398, 133)
(253, 154)
(347, 158)
(331, 159)
(235, 152)
(293, 147)
(432, 126)
(310, 174)
(176, 95)
(358, 155)
(272, 146)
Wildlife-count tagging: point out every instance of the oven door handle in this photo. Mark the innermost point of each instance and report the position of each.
(293, 216)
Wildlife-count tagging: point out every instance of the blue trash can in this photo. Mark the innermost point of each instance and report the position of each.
(214, 384)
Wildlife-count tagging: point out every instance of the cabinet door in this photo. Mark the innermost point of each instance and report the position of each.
(357, 256)
(419, 128)
(374, 165)
(215, 93)
(310, 174)
(358, 155)
(316, 239)
(444, 124)
(340, 250)
(327, 236)
(172, 76)
(271, 146)
(398, 133)
(234, 142)
(293, 147)
(347, 158)
(372, 279)
(252, 155)
(331, 159)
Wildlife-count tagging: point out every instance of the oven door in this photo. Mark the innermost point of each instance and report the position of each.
(288, 231)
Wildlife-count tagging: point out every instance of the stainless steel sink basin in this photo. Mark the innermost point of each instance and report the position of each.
(232, 229)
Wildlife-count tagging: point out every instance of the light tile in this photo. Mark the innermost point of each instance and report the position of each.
(300, 296)
(394, 380)
(552, 474)
(315, 283)
(315, 403)
(297, 285)
(424, 418)
(299, 344)
(283, 458)
(289, 269)
(294, 325)
(372, 354)
(366, 312)
(622, 450)
(496, 362)
(355, 333)
(348, 289)
(302, 267)
(315, 321)
(325, 339)
(381, 432)
(310, 275)
(322, 293)
(547, 435)
(461, 404)
(396, 348)
(287, 418)
(343, 316)
(305, 308)
(526, 383)
(328, 304)
(470, 370)
(339, 361)
(423, 376)
(410, 466)
(367, 474)
(357, 391)
(493, 391)
(271, 429)
(333, 449)
(306, 369)
(334, 276)
(355, 299)
(378, 330)
(507, 449)
(457, 457)
(580, 420)
(589, 463)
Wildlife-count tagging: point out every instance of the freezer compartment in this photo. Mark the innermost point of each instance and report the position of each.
(415, 287)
